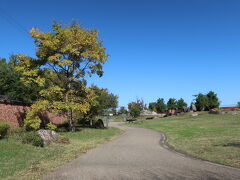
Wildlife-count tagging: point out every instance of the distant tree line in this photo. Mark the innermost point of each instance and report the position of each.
(202, 102)
(160, 107)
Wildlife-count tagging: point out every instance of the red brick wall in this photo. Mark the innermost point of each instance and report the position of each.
(15, 114)
(229, 108)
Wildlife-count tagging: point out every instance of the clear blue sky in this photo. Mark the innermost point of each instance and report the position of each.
(159, 48)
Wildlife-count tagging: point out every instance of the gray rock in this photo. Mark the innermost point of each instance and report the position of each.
(193, 107)
(213, 111)
(48, 136)
(186, 109)
(147, 113)
(195, 114)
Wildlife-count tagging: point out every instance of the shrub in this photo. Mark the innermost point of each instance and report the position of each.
(4, 127)
(32, 122)
(51, 126)
(33, 138)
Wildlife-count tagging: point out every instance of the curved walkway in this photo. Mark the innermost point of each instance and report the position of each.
(137, 154)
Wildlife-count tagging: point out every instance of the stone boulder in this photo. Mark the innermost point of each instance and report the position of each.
(48, 136)
(213, 111)
(147, 113)
(193, 107)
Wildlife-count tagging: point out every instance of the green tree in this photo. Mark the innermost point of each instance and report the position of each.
(213, 101)
(104, 101)
(67, 55)
(152, 106)
(201, 102)
(135, 108)
(160, 105)
(206, 101)
(11, 85)
(172, 103)
(238, 104)
(123, 110)
(181, 104)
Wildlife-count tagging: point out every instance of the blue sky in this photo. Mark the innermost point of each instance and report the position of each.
(159, 48)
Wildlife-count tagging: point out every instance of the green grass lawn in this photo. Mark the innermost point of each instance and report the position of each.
(22, 161)
(208, 136)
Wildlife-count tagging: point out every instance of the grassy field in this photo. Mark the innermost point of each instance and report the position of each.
(208, 136)
(22, 161)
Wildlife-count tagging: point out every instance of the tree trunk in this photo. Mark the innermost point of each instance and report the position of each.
(69, 116)
(71, 122)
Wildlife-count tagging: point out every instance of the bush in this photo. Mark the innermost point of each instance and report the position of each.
(4, 127)
(33, 138)
(51, 126)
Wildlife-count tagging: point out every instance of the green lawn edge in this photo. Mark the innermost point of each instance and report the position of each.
(208, 137)
(45, 160)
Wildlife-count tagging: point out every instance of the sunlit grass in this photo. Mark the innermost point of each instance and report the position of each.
(22, 161)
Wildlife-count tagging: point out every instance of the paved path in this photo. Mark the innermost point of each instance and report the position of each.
(137, 154)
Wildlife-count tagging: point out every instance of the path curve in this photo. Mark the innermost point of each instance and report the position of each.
(137, 154)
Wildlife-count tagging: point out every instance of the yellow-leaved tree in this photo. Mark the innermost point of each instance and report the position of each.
(65, 57)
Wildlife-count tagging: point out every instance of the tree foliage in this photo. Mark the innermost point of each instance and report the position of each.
(123, 110)
(172, 103)
(181, 104)
(201, 102)
(136, 107)
(152, 106)
(104, 101)
(159, 106)
(65, 57)
(238, 104)
(206, 101)
(213, 101)
(11, 85)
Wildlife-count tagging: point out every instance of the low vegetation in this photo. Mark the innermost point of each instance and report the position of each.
(208, 136)
(24, 161)
(4, 127)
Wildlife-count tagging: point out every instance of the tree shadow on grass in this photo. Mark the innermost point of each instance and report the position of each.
(233, 144)
(230, 144)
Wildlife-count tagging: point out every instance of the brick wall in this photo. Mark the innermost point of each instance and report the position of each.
(14, 114)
